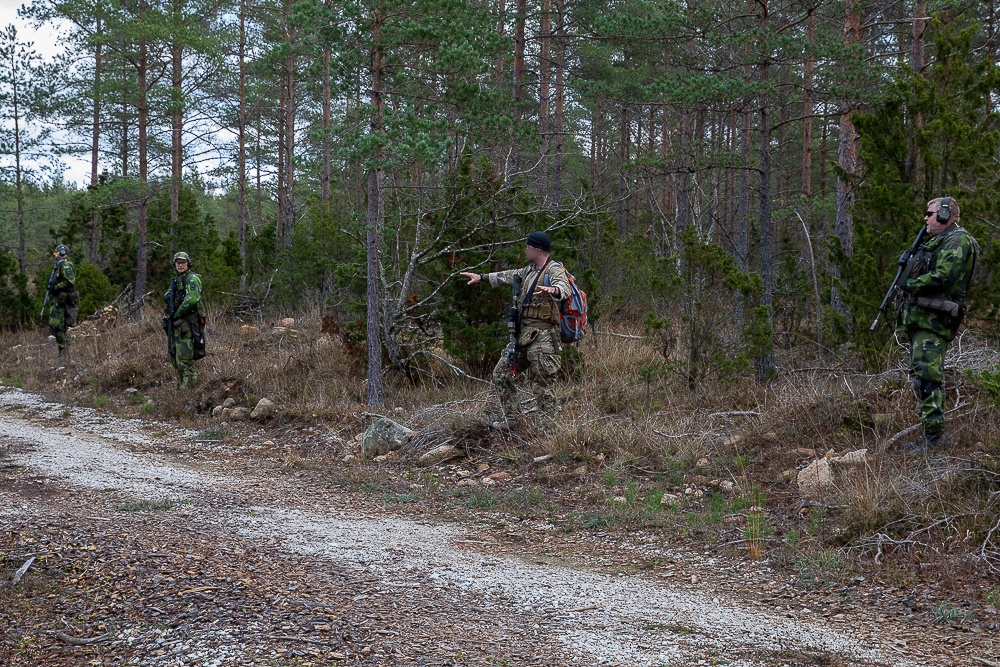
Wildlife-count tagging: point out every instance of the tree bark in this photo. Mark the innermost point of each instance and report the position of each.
(375, 220)
(94, 239)
(544, 92)
(556, 186)
(18, 183)
(513, 164)
(807, 105)
(176, 121)
(289, 207)
(142, 67)
(847, 159)
(764, 362)
(242, 212)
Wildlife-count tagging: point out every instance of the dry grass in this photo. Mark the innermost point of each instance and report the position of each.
(634, 434)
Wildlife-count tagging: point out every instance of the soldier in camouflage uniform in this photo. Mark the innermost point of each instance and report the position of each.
(933, 305)
(184, 294)
(63, 297)
(538, 347)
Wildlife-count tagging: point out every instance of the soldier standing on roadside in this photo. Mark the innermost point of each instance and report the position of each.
(544, 284)
(937, 281)
(183, 321)
(63, 297)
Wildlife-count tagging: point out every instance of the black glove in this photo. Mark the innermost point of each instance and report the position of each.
(61, 298)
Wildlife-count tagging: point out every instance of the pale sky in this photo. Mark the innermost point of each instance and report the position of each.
(46, 43)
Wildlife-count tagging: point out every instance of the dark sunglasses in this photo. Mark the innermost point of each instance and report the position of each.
(929, 214)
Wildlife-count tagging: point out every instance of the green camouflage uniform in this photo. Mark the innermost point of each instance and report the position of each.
(938, 278)
(538, 348)
(186, 288)
(64, 299)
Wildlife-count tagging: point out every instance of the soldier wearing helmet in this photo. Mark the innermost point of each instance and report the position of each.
(184, 321)
(62, 295)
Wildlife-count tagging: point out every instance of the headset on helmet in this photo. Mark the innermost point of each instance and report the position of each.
(944, 210)
(62, 250)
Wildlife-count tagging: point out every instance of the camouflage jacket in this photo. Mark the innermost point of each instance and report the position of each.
(186, 291)
(541, 311)
(63, 277)
(937, 282)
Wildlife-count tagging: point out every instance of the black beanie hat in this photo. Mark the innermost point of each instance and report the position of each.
(540, 240)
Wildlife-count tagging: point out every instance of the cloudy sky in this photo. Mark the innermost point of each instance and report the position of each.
(46, 43)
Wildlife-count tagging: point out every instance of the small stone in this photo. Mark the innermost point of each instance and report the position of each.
(287, 322)
(669, 499)
(816, 480)
(699, 493)
(489, 482)
(130, 392)
(500, 476)
(727, 486)
(239, 414)
(226, 414)
(383, 436)
(694, 578)
(621, 500)
(703, 462)
(440, 454)
(350, 458)
(268, 443)
(229, 403)
(580, 472)
(217, 411)
(247, 330)
(264, 409)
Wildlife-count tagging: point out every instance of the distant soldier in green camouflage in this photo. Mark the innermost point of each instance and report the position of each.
(62, 297)
(937, 281)
(184, 321)
(543, 285)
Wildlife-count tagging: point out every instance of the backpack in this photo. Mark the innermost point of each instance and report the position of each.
(572, 311)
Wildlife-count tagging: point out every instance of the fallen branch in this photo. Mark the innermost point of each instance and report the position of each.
(984, 661)
(735, 413)
(21, 570)
(83, 641)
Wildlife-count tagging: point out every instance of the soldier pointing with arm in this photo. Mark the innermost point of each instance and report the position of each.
(937, 279)
(544, 284)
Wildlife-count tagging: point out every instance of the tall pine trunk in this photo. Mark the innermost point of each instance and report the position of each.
(142, 71)
(176, 121)
(375, 220)
(242, 212)
(847, 160)
(94, 235)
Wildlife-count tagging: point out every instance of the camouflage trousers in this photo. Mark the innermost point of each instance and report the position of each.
(540, 352)
(57, 326)
(183, 356)
(927, 352)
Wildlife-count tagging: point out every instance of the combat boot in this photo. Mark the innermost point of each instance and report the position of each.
(925, 444)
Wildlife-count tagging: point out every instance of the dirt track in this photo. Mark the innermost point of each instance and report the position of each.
(289, 574)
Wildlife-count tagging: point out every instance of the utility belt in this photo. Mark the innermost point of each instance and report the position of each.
(938, 303)
(541, 310)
